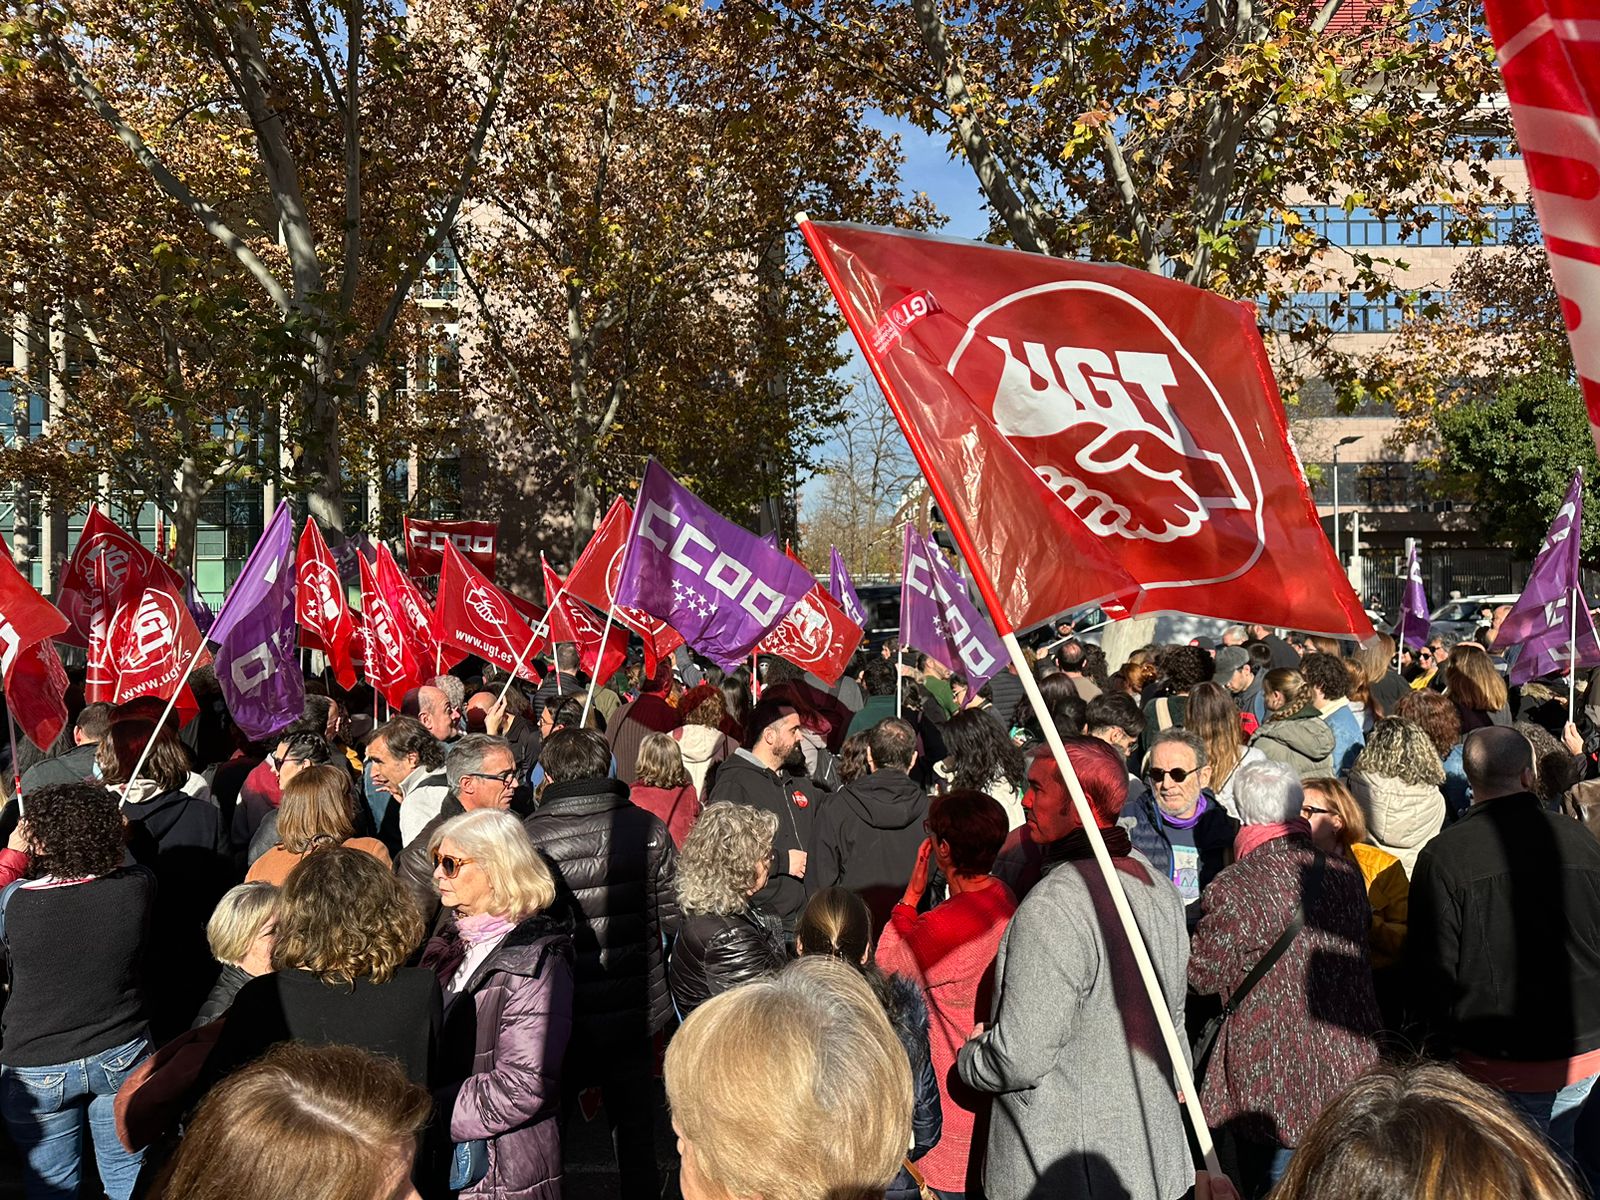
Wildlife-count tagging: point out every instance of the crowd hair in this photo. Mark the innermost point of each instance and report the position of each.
(344, 916)
(521, 883)
(407, 735)
(721, 859)
(315, 810)
(467, 756)
(238, 919)
(1400, 749)
(1267, 793)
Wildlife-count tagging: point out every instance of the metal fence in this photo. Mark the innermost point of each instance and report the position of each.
(1469, 572)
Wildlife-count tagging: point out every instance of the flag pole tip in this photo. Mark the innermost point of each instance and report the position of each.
(802, 217)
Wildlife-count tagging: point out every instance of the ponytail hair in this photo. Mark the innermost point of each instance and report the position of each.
(835, 922)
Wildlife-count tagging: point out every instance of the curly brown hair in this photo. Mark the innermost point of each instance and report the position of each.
(342, 915)
(1439, 719)
(76, 829)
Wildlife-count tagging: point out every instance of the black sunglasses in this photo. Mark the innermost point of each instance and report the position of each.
(508, 776)
(1178, 774)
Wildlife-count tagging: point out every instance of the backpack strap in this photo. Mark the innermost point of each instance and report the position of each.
(1163, 713)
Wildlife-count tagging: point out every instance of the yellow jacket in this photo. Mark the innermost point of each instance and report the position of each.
(1389, 893)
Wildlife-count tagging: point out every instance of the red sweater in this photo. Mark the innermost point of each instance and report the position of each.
(677, 807)
(949, 953)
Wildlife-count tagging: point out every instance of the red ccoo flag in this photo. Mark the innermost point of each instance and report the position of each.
(594, 578)
(151, 642)
(476, 617)
(390, 666)
(817, 635)
(320, 605)
(35, 681)
(1549, 53)
(1090, 431)
(571, 620)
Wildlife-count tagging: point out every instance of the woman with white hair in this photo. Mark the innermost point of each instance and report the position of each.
(793, 1087)
(725, 939)
(1307, 1027)
(505, 965)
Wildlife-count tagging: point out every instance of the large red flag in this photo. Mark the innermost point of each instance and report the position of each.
(35, 681)
(1090, 431)
(478, 618)
(1549, 52)
(108, 568)
(415, 615)
(320, 605)
(151, 643)
(817, 635)
(388, 661)
(571, 620)
(594, 578)
(426, 540)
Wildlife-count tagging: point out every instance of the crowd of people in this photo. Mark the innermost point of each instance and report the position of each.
(850, 939)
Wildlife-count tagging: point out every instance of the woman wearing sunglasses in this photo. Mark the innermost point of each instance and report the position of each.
(505, 964)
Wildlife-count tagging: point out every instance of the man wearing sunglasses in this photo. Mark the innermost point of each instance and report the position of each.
(1181, 826)
(482, 773)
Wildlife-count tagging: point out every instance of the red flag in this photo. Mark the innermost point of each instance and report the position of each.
(571, 620)
(35, 681)
(1090, 431)
(478, 618)
(594, 578)
(151, 642)
(388, 661)
(817, 635)
(1550, 60)
(320, 605)
(426, 540)
(415, 616)
(107, 568)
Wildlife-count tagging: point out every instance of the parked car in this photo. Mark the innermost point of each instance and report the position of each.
(1462, 617)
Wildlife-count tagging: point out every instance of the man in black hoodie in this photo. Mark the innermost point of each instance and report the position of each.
(867, 837)
(755, 776)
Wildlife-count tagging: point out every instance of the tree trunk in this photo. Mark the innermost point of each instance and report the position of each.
(585, 506)
(188, 492)
(320, 469)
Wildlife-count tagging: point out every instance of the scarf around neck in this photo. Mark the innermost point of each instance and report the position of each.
(483, 927)
(1075, 846)
(1250, 837)
(1189, 822)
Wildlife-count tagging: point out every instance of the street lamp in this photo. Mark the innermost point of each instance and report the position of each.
(1342, 442)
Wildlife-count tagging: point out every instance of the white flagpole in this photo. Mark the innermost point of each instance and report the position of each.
(172, 700)
(1572, 663)
(16, 763)
(594, 680)
(540, 629)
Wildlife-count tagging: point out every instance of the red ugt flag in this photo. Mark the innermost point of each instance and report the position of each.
(573, 621)
(594, 578)
(415, 615)
(476, 617)
(388, 661)
(1093, 431)
(1549, 52)
(320, 605)
(35, 682)
(817, 635)
(152, 640)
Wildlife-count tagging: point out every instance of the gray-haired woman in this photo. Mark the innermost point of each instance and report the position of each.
(724, 940)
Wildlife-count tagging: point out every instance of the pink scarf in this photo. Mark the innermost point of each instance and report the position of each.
(483, 927)
(1251, 836)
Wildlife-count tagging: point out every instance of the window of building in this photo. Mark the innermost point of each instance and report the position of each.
(1430, 225)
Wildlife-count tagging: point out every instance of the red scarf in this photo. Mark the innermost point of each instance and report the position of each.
(1252, 836)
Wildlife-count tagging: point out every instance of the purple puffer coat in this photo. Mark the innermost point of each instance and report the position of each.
(507, 1049)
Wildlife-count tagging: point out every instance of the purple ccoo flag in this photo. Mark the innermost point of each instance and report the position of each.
(1541, 621)
(843, 588)
(1412, 629)
(720, 586)
(197, 606)
(257, 665)
(938, 618)
(1553, 659)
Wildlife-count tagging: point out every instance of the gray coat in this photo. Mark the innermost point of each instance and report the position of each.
(1085, 1105)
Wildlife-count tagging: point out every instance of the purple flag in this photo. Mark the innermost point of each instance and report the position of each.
(938, 618)
(197, 606)
(1541, 621)
(1554, 659)
(718, 585)
(843, 588)
(1412, 629)
(255, 636)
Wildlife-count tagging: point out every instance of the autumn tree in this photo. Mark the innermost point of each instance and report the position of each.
(322, 147)
(1180, 137)
(633, 283)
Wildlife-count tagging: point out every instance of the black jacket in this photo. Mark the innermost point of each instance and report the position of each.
(1503, 938)
(614, 865)
(414, 866)
(75, 766)
(908, 1015)
(220, 1000)
(866, 839)
(742, 779)
(714, 953)
(1214, 833)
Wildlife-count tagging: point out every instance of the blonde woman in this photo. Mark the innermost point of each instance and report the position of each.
(663, 786)
(1396, 781)
(760, 1112)
(1338, 827)
(314, 813)
(505, 965)
(240, 932)
(724, 939)
(1294, 732)
(1476, 688)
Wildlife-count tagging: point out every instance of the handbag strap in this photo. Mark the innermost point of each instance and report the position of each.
(1296, 923)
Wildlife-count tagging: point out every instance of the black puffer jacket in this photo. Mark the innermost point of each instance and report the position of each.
(743, 779)
(716, 952)
(614, 865)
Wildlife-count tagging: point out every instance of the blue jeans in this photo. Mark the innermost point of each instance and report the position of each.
(45, 1109)
(1556, 1115)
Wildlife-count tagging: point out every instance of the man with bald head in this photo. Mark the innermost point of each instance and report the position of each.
(1503, 949)
(431, 706)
